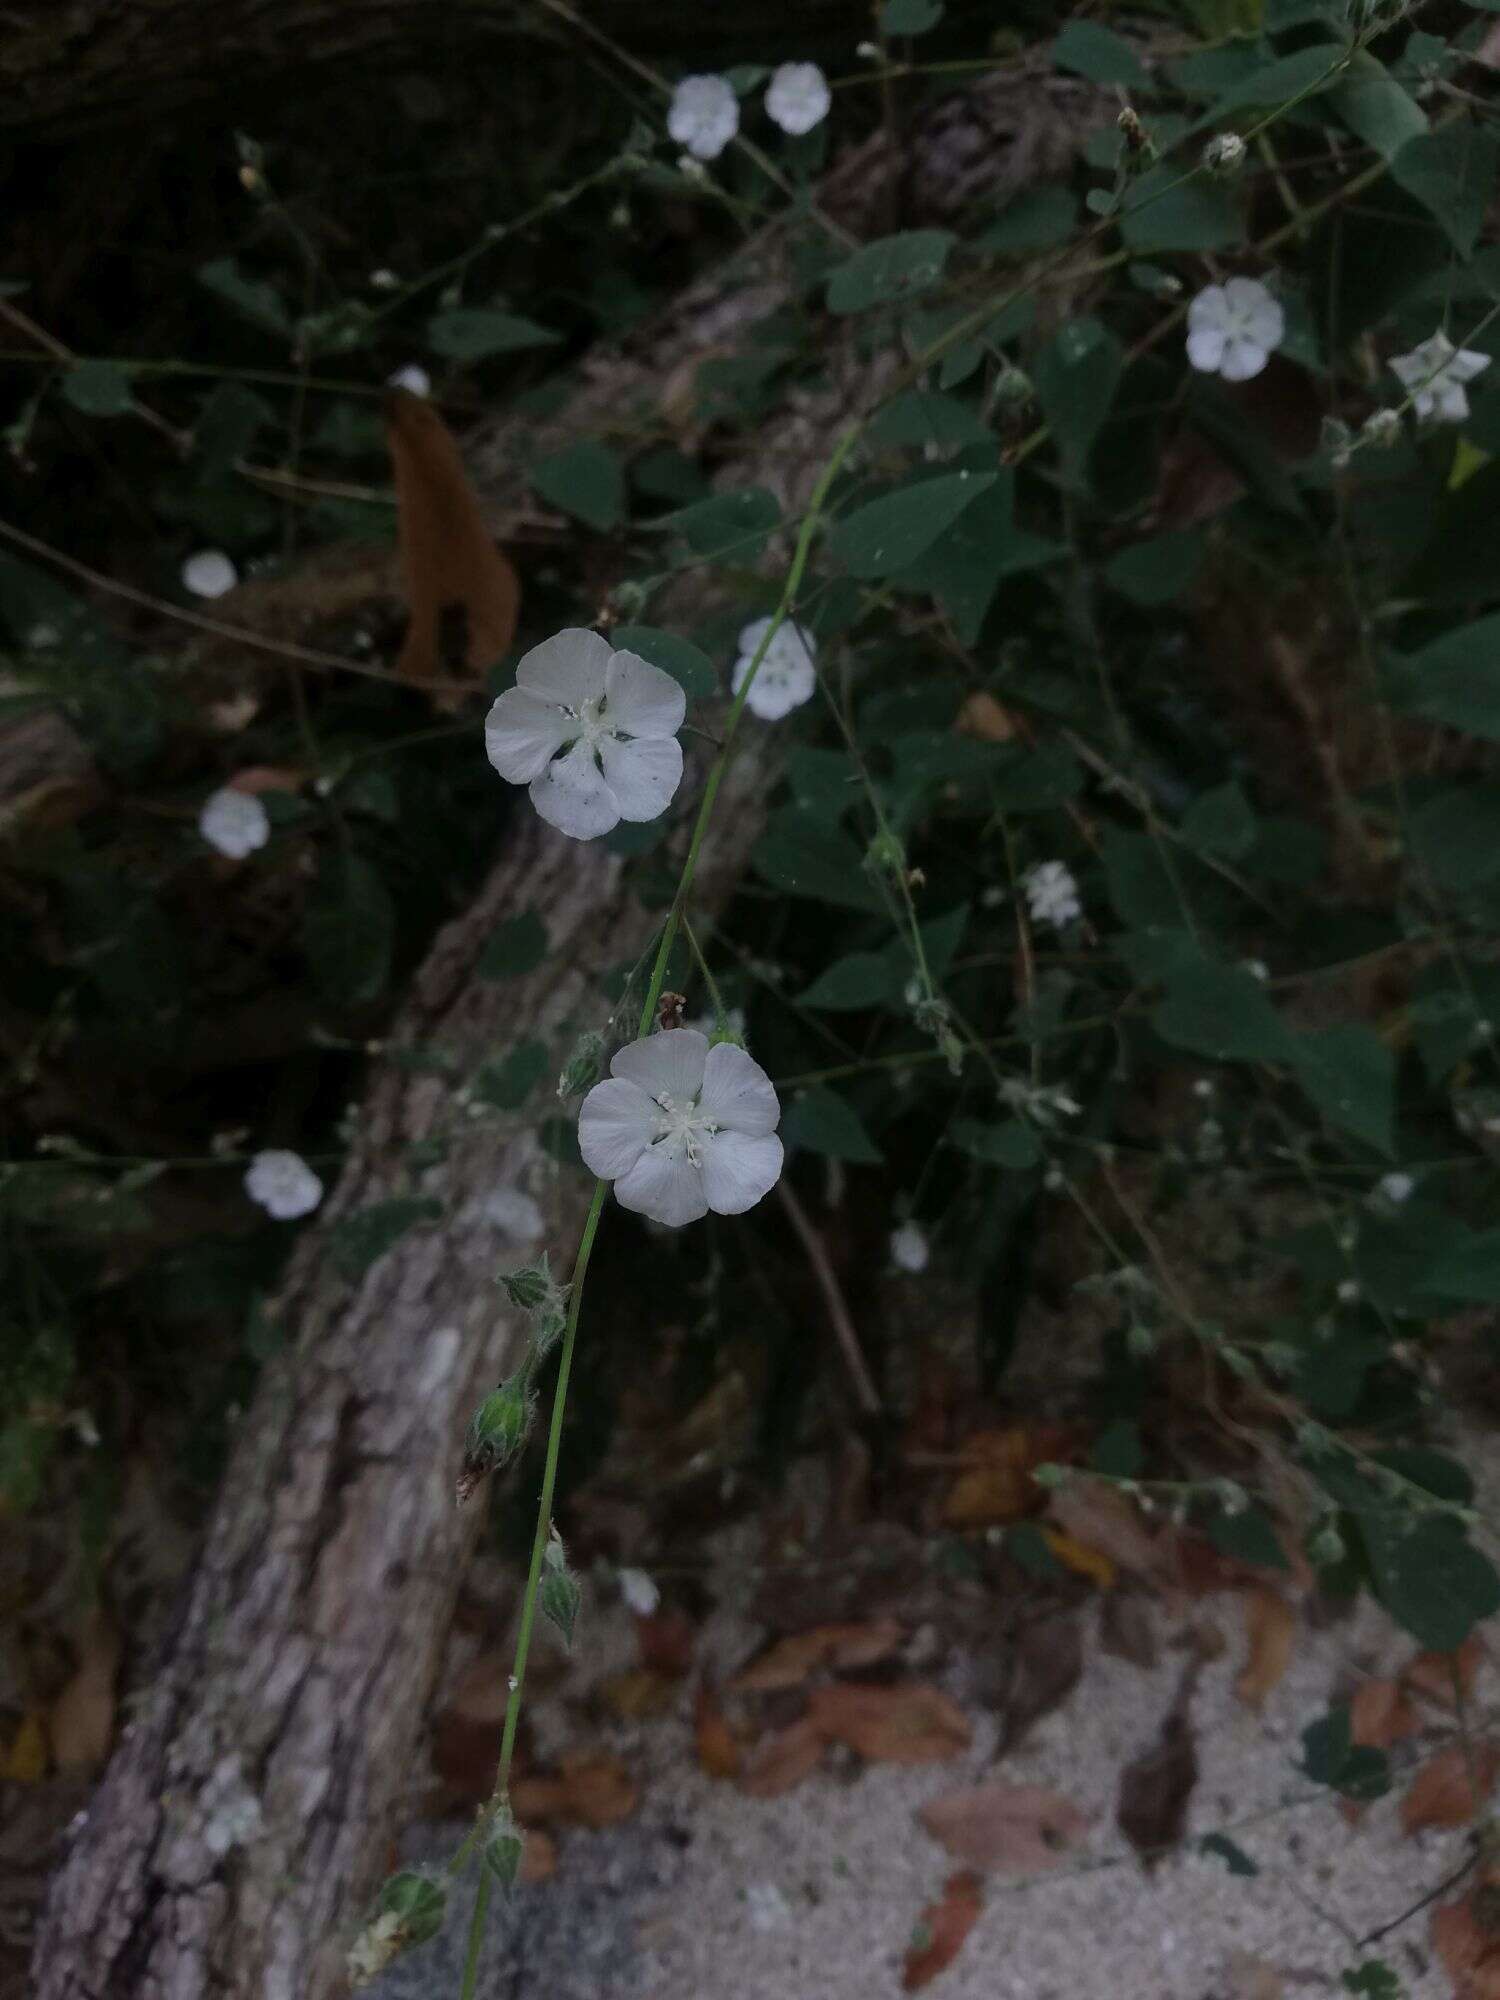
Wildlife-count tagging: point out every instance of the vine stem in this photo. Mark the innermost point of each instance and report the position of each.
(675, 920)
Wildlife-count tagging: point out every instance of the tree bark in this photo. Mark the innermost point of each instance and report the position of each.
(245, 1815)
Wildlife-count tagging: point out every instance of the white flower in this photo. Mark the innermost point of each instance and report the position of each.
(209, 573)
(909, 1250)
(639, 1592)
(1233, 329)
(1395, 1188)
(234, 822)
(798, 98)
(786, 676)
(593, 732)
(284, 1185)
(1435, 373)
(681, 1128)
(413, 378)
(384, 280)
(1224, 153)
(1052, 894)
(704, 115)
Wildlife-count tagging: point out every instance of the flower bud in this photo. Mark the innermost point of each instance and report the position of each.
(530, 1286)
(410, 1909)
(885, 855)
(495, 1434)
(547, 1328)
(504, 1849)
(1382, 429)
(584, 1066)
(559, 1598)
(1224, 154)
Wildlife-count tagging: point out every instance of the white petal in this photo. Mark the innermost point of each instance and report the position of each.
(1242, 359)
(666, 1065)
(752, 634)
(615, 1126)
(1466, 364)
(1265, 323)
(1205, 348)
(570, 667)
(664, 1185)
(522, 735)
(641, 699)
(909, 1248)
(738, 1170)
(209, 573)
(737, 1093)
(780, 685)
(1243, 296)
(1209, 309)
(234, 822)
(1452, 402)
(643, 774)
(572, 795)
(414, 378)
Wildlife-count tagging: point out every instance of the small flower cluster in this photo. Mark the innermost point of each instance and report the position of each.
(705, 113)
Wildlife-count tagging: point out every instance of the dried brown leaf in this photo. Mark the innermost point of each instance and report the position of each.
(1380, 1714)
(1451, 1787)
(1101, 1518)
(790, 1661)
(1043, 1668)
(1154, 1789)
(82, 1721)
(995, 1484)
(666, 1640)
(719, 1752)
(984, 717)
(781, 1760)
(597, 1790)
(1466, 1939)
(941, 1930)
(636, 1693)
(1435, 1675)
(1253, 1978)
(909, 1724)
(25, 1762)
(1021, 1827)
(538, 1857)
(1270, 1633)
(1127, 1629)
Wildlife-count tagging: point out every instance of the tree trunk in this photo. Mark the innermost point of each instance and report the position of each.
(245, 1816)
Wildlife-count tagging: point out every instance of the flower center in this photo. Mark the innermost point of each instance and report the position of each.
(683, 1127)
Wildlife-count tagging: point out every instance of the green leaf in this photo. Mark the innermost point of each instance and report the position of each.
(862, 979)
(1249, 1535)
(587, 481)
(1456, 837)
(895, 267)
(1454, 681)
(1458, 554)
(516, 946)
(1076, 375)
(507, 1081)
(1039, 219)
(359, 1240)
(1010, 1144)
(1221, 823)
(1233, 1856)
(968, 562)
(1141, 888)
(1350, 1075)
(889, 534)
(910, 17)
(1157, 571)
(1222, 1011)
(99, 388)
(730, 526)
(1086, 49)
(1452, 174)
(349, 930)
(1469, 1270)
(1161, 211)
(1375, 107)
(474, 333)
(1428, 1576)
(1278, 81)
(558, 1598)
(804, 856)
(251, 297)
(823, 1122)
(692, 670)
(1033, 780)
(1330, 1756)
(924, 417)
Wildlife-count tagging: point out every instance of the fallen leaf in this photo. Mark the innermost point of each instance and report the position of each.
(996, 1485)
(982, 716)
(781, 1760)
(1080, 1558)
(1252, 1978)
(790, 1661)
(591, 1789)
(636, 1693)
(257, 778)
(941, 1930)
(1451, 1787)
(463, 594)
(1270, 1632)
(1155, 1788)
(1466, 1937)
(1127, 1630)
(1101, 1518)
(466, 1733)
(1380, 1714)
(82, 1721)
(719, 1752)
(1042, 1669)
(25, 1762)
(666, 1639)
(909, 1724)
(1435, 1675)
(996, 1825)
(538, 1857)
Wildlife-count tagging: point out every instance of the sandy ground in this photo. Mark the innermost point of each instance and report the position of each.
(706, 1892)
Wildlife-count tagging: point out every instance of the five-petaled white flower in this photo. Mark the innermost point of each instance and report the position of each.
(1052, 894)
(909, 1248)
(681, 1128)
(234, 822)
(593, 732)
(704, 115)
(1435, 373)
(798, 98)
(284, 1185)
(1233, 329)
(1395, 1188)
(209, 573)
(786, 676)
(414, 378)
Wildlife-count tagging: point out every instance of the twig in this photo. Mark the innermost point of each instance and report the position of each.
(833, 1297)
(1448, 1882)
(181, 441)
